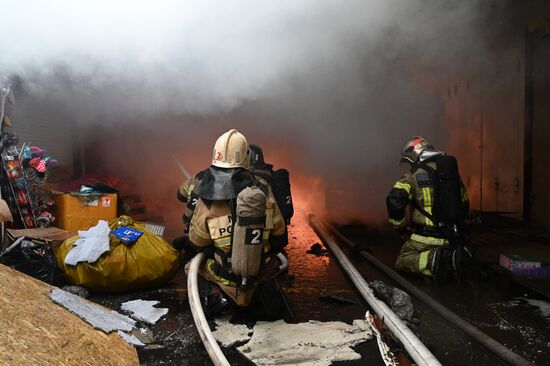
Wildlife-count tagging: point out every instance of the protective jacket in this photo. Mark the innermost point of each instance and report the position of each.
(212, 224)
(416, 188)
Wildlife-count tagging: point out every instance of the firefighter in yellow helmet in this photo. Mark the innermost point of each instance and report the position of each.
(217, 219)
(438, 201)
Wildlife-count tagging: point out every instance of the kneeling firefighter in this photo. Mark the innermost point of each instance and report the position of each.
(439, 204)
(278, 180)
(237, 223)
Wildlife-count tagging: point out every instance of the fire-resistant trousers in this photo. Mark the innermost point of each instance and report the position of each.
(414, 257)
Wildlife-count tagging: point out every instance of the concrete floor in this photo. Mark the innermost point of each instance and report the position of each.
(500, 307)
(308, 276)
(505, 310)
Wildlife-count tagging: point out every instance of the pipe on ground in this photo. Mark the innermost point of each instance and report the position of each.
(497, 348)
(214, 351)
(416, 349)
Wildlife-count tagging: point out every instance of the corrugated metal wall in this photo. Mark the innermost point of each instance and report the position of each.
(484, 120)
(42, 124)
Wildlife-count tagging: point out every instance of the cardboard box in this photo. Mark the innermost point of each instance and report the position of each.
(51, 236)
(82, 211)
(516, 263)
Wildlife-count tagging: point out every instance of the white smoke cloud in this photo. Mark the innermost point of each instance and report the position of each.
(181, 56)
(339, 84)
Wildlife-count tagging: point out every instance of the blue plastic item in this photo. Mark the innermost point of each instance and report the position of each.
(127, 235)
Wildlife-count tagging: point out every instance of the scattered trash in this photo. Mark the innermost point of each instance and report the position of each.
(153, 347)
(36, 260)
(318, 250)
(228, 334)
(144, 334)
(127, 235)
(147, 263)
(77, 290)
(91, 245)
(387, 355)
(144, 310)
(334, 297)
(95, 315)
(130, 339)
(86, 190)
(281, 343)
(398, 300)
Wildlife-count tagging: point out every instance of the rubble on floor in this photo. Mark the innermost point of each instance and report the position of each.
(95, 315)
(144, 310)
(228, 334)
(131, 339)
(318, 250)
(310, 343)
(398, 300)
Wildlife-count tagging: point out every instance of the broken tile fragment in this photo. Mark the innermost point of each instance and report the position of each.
(144, 310)
(95, 315)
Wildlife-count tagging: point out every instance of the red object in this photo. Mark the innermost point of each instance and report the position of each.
(415, 142)
(38, 164)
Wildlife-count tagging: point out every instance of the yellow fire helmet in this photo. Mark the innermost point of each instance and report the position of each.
(231, 151)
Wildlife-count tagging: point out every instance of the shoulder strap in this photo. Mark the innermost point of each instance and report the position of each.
(233, 209)
(263, 175)
(264, 188)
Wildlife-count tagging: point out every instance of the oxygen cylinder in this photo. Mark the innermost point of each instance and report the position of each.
(281, 191)
(247, 248)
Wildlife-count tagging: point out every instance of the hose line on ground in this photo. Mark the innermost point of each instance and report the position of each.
(416, 349)
(497, 348)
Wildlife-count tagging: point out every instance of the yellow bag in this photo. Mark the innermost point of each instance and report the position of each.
(148, 262)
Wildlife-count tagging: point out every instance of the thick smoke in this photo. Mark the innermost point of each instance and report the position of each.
(329, 88)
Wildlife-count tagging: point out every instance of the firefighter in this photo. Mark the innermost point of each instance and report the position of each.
(438, 203)
(216, 218)
(278, 180)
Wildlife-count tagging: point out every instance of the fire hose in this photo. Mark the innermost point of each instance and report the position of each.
(214, 351)
(497, 348)
(416, 349)
(210, 343)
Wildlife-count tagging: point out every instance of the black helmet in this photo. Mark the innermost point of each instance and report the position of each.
(257, 157)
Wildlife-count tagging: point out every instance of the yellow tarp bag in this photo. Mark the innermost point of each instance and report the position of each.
(148, 262)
